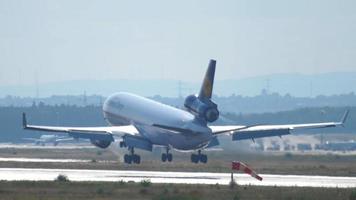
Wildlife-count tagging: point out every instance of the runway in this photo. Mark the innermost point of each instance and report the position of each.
(49, 146)
(43, 160)
(15, 174)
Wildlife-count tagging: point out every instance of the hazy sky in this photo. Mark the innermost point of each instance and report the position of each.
(83, 39)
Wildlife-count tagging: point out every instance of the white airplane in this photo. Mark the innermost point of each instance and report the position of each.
(44, 139)
(141, 123)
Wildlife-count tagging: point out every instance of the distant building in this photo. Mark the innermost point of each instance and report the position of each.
(338, 146)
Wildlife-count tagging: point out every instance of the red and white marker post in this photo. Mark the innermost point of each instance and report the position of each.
(239, 166)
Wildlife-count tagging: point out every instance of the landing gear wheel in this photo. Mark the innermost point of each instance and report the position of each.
(194, 158)
(203, 158)
(136, 159)
(169, 157)
(122, 144)
(127, 159)
(164, 157)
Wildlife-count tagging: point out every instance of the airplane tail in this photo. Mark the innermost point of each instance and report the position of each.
(207, 86)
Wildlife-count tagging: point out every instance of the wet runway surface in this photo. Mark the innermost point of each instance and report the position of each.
(12, 174)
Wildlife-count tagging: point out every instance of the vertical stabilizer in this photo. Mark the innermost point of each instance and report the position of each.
(207, 86)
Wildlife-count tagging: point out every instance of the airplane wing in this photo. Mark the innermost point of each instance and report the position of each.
(259, 131)
(100, 133)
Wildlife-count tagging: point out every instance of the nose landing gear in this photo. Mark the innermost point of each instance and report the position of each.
(196, 158)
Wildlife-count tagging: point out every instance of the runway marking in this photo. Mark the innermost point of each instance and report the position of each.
(148, 177)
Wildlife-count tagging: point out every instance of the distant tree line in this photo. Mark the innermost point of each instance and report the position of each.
(265, 102)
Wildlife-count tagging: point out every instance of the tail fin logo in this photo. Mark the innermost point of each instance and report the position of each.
(207, 87)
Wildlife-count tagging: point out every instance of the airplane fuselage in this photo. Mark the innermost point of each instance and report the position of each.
(125, 108)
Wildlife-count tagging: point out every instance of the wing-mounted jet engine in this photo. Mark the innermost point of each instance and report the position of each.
(103, 144)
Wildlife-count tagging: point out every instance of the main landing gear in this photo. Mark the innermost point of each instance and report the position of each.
(122, 144)
(195, 158)
(132, 157)
(167, 156)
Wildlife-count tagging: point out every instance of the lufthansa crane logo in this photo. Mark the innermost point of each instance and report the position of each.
(207, 87)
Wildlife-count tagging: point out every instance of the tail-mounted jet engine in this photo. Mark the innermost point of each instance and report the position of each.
(205, 109)
(101, 143)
